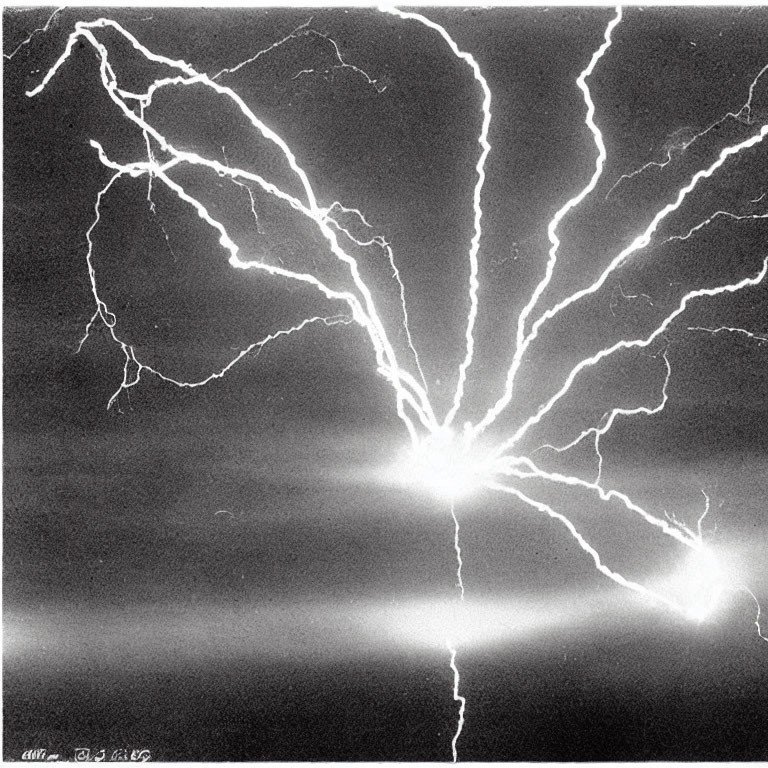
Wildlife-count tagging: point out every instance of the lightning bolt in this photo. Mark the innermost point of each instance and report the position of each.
(380, 241)
(567, 208)
(710, 219)
(362, 305)
(628, 344)
(729, 329)
(341, 65)
(757, 614)
(743, 115)
(640, 242)
(505, 467)
(299, 31)
(459, 698)
(610, 417)
(457, 548)
(474, 248)
(248, 191)
(303, 30)
(34, 32)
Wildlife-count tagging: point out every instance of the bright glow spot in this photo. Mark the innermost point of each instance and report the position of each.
(698, 584)
(474, 622)
(446, 465)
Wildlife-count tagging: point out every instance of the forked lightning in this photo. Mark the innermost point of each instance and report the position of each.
(449, 462)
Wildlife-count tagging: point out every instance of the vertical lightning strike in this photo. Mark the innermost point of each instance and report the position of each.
(474, 283)
(459, 698)
(457, 548)
(700, 521)
(88, 326)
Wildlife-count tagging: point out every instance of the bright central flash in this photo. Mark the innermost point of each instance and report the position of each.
(445, 464)
(700, 584)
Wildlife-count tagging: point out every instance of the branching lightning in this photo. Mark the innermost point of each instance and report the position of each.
(521, 341)
(448, 463)
(608, 420)
(678, 146)
(474, 283)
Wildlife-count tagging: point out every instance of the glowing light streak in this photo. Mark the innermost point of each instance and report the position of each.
(271, 629)
(728, 329)
(34, 32)
(710, 219)
(459, 698)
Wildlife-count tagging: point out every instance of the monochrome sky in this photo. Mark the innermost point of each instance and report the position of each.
(137, 537)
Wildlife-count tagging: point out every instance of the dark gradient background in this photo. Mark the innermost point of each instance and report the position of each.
(225, 573)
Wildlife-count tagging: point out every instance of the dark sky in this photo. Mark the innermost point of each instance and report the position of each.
(224, 573)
